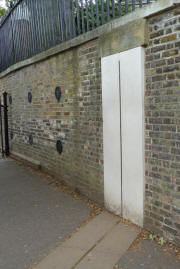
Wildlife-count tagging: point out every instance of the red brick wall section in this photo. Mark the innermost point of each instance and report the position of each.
(76, 120)
(162, 126)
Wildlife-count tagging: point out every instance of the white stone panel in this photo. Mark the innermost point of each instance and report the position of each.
(132, 132)
(111, 131)
(123, 106)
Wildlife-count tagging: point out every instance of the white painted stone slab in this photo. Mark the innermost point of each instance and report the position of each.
(123, 106)
(132, 131)
(111, 133)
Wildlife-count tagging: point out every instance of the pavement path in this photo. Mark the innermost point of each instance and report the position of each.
(98, 245)
(149, 256)
(34, 216)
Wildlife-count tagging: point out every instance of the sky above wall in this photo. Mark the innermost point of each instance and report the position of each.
(3, 3)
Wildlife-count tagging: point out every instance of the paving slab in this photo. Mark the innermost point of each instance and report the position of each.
(97, 245)
(113, 246)
(93, 231)
(35, 216)
(69, 253)
(149, 256)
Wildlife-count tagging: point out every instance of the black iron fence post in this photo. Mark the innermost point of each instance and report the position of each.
(6, 124)
(1, 131)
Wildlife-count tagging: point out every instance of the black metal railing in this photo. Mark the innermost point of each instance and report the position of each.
(33, 26)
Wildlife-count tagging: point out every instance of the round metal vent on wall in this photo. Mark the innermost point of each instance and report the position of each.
(30, 139)
(58, 93)
(29, 97)
(59, 146)
(10, 99)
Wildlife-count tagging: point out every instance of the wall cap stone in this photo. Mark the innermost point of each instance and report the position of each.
(125, 37)
(145, 12)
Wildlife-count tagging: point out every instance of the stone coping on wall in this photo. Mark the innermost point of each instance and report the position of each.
(145, 12)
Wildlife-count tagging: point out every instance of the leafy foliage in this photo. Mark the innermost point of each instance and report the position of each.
(160, 240)
(152, 237)
(9, 3)
(2, 11)
(88, 9)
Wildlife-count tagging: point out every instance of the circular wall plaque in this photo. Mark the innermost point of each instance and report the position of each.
(59, 146)
(29, 97)
(58, 93)
(10, 99)
(30, 139)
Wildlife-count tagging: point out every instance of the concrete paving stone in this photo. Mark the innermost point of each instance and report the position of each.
(98, 260)
(93, 231)
(72, 250)
(61, 258)
(110, 249)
